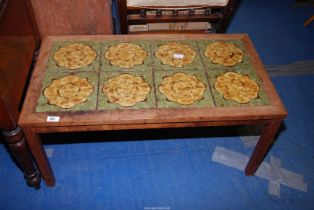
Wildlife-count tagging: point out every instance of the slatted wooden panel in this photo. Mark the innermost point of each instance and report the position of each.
(73, 17)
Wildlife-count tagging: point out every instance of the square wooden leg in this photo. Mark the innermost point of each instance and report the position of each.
(40, 156)
(262, 146)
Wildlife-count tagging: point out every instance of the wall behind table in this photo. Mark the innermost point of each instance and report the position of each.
(73, 17)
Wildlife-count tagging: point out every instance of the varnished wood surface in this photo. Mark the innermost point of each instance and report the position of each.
(73, 17)
(40, 156)
(19, 39)
(142, 117)
(17, 53)
(262, 146)
(147, 126)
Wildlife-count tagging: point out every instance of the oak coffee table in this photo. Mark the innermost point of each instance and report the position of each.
(99, 113)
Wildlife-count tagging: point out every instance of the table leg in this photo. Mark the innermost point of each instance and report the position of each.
(40, 156)
(262, 146)
(20, 151)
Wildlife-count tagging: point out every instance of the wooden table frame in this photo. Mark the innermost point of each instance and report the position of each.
(34, 123)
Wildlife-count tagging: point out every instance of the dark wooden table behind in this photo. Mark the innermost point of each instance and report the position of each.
(18, 41)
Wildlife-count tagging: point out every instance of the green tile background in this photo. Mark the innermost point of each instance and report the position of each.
(196, 65)
(152, 71)
(94, 66)
(162, 102)
(221, 102)
(103, 102)
(89, 105)
(105, 63)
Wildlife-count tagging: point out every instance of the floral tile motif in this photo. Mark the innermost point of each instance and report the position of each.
(163, 102)
(195, 65)
(220, 101)
(94, 66)
(105, 104)
(245, 66)
(152, 72)
(107, 66)
(89, 105)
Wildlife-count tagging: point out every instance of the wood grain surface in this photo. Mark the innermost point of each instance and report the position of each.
(73, 17)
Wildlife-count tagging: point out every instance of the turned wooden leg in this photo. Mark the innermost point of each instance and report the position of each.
(40, 156)
(262, 146)
(20, 151)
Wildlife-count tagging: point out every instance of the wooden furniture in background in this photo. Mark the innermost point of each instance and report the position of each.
(35, 123)
(208, 16)
(19, 39)
(73, 17)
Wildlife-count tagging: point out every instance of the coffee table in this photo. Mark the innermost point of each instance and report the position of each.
(37, 117)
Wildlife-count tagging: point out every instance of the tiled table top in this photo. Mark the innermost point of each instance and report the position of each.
(152, 71)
